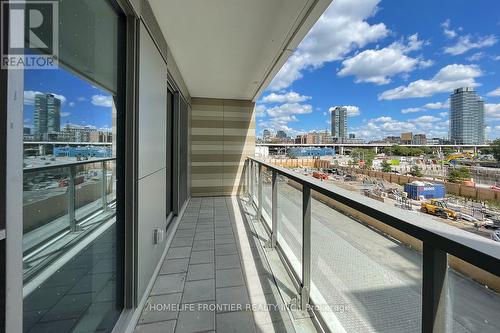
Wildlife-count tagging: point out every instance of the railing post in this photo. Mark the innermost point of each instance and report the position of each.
(259, 192)
(251, 181)
(306, 247)
(72, 198)
(434, 289)
(274, 209)
(104, 192)
(246, 176)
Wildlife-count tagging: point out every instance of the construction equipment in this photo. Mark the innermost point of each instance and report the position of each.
(320, 175)
(452, 157)
(438, 208)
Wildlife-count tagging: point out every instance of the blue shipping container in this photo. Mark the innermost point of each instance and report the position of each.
(428, 191)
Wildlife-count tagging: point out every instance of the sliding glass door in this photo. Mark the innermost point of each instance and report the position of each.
(72, 238)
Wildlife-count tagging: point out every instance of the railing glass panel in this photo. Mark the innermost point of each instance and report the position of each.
(371, 267)
(471, 298)
(267, 196)
(62, 205)
(290, 221)
(45, 206)
(363, 280)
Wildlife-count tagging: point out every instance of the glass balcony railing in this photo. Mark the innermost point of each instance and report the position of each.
(62, 203)
(360, 265)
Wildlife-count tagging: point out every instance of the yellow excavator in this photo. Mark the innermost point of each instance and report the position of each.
(452, 157)
(438, 208)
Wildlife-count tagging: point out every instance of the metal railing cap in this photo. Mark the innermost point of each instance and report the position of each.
(475, 249)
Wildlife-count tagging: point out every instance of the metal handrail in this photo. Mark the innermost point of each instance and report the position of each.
(65, 165)
(438, 239)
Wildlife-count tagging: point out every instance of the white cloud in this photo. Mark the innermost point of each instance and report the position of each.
(494, 93)
(352, 110)
(448, 78)
(428, 106)
(381, 127)
(412, 110)
(280, 116)
(102, 100)
(382, 119)
(289, 97)
(425, 119)
(476, 57)
(260, 110)
(437, 105)
(450, 33)
(72, 104)
(466, 43)
(443, 114)
(340, 30)
(65, 114)
(29, 97)
(377, 66)
(81, 99)
(492, 110)
(289, 109)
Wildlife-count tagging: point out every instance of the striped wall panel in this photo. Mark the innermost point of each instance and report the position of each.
(222, 135)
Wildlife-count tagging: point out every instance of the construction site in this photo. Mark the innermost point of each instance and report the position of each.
(476, 210)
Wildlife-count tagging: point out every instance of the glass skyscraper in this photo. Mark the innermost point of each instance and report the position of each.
(466, 117)
(47, 115)
(339, 122)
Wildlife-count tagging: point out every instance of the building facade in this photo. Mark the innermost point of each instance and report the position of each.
(47, 115)
(406, 138)
(266, 134)
(339, 123)
(419, 139)
(281, 134)
(466, 117)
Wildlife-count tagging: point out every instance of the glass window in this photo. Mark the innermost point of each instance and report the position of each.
(72, 257)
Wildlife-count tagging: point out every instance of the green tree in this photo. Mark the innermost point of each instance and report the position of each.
(416, 171)
(367, 155)
(457, 175)
(495, 149)
(386, 166)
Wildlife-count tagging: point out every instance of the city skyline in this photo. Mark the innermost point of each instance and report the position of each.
(393, 75)
(82, 104)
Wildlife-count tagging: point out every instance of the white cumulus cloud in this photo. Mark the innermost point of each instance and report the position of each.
(448, 78)
(289, 97)
(447, 31)
(412, 110)
(467, 42)
(289, 109)
(377, 66)
(494, 93)
(102, 100)
(492, 110)
(340, 30)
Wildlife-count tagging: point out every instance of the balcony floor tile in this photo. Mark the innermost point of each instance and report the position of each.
(217, 275)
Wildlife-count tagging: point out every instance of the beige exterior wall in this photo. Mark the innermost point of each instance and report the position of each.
(222, 135)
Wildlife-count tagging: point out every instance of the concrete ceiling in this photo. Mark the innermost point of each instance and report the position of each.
(233, 48)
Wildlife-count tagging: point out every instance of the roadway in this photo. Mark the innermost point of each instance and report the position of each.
(375, 277)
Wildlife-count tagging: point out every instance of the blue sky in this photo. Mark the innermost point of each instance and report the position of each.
(393, 63)
(82, 103)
